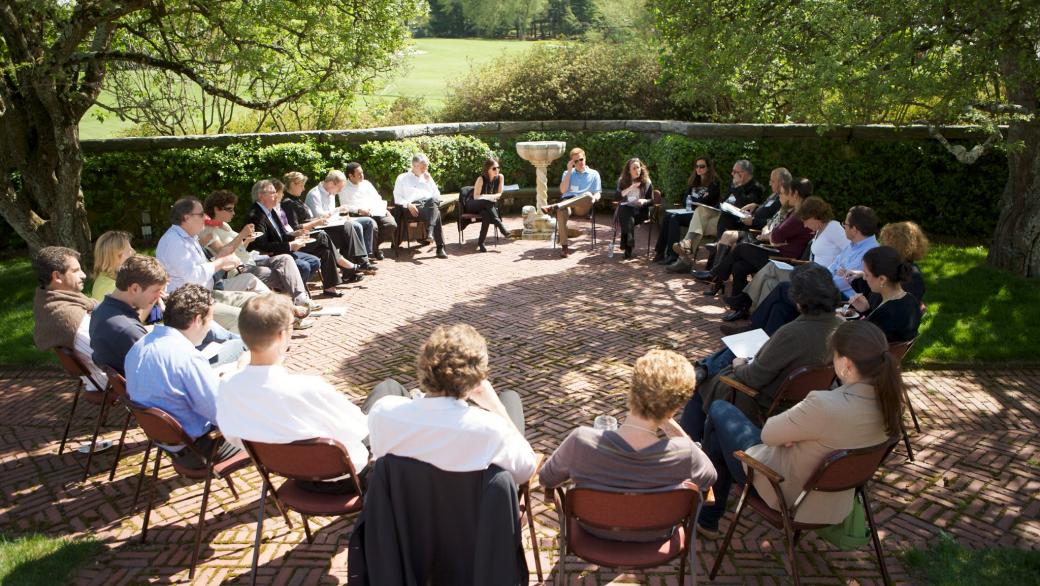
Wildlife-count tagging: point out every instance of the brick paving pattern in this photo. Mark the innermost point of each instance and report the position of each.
(564, 334)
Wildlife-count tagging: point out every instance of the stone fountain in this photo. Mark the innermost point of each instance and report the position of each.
(539, 226)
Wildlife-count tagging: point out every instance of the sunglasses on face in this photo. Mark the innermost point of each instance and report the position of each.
(228, 208)
(581, 160)
(494, 168)
(702, 166)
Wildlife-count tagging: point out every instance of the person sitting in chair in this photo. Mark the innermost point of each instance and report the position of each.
(442, 427)
(580, 189)
(361, 199)
(417, 194)
(486, 191)
(635, 195)
(118, 321)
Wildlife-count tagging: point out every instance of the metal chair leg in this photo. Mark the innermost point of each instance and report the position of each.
(97, 430)
(259, 530)
(119, 448)
(789, 547)
(906, 442)
(198, 527)
(141, 475)
(307, 528)
(862, 491)
(910, 407)
(729, 532)
(526, 495)
(72, 413)
(151, 494)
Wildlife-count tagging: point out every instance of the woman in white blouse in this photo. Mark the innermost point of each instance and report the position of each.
(830, 239)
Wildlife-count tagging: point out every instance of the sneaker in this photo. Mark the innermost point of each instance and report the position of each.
(679, 266)
(303, 324)
(315, 306)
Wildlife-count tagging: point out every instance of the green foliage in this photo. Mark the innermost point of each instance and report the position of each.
(947, 563)
(597, 81)
(37, 559)
(16, 316)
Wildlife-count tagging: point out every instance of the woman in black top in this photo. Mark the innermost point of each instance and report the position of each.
(486, 191)
(895, 311)
(345, 239)
(703, 186)
(635, 195)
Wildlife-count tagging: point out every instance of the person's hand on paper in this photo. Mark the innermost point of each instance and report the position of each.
(747, 221)
(749, 208)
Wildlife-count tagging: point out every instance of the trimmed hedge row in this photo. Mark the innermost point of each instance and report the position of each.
(901, 180)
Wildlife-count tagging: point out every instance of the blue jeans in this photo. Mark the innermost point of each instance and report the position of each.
(775, 310)
(717, 361)
(726, 431)
(369, 229)
(307, 263)
(692, 420)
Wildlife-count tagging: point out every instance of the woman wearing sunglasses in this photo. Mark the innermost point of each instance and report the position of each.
(486, 191)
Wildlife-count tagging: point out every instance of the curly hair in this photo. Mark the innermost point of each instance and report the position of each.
(662, 381)
(453, 361)
(907, 238)
(218, 199)
(185, 303)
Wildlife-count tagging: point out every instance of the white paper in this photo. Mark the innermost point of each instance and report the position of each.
(782, 265)
(512, 187)
(704, 205)
(732, 209)
(329, 311)
(746, 344)
(212, 349)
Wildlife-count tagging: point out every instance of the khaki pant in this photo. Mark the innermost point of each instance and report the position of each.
(227, 307)
(703, 223)
(764, 281)
(580, 205)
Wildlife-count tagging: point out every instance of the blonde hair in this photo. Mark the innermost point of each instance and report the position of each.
(576, 151)
(107, 250)
(294, 177)
(907, 238)
(334, 176)
(662, 381)
(453, 360)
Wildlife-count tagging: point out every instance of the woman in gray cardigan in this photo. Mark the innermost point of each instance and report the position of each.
(802, 342)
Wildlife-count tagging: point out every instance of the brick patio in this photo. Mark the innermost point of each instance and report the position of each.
(563, 333)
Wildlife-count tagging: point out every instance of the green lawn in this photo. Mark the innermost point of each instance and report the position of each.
(975, 314)
(947, 563)
(429, 68)
(37, 559)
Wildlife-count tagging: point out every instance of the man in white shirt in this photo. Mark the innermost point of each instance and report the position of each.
(265, 403)
(361, 199)
(416, 194)
(186, 262)
(441, 428)
(321, 201)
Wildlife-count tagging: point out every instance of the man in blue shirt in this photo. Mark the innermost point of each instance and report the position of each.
(580, 188)
(164, 370)
(861, 226)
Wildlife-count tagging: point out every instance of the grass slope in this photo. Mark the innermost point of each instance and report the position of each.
(38, 559)
(947, 563)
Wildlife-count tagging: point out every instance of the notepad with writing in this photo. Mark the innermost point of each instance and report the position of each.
(746, 344)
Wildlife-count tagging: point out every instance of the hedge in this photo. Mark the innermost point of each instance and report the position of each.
(901, 180)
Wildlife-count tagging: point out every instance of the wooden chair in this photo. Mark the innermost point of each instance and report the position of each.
(102, 397)
(652, 219)
(313, 459)
(465, 218)
(161, 428)
(404, 223)
(841, 470)
(796, 385)
(672, 512)
(899, 350)
(589, 217)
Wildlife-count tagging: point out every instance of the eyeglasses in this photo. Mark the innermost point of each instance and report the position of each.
(228, 208)
(702, 166)
(735, 172)
(494, 168)
(581, 160)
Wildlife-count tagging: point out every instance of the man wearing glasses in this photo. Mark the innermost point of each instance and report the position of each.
(580, 188)
(743, 190)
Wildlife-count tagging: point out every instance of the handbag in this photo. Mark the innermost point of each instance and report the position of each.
(850, 534)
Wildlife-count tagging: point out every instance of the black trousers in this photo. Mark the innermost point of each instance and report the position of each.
(674, 224)
(628, 217)
(430, 211)
(325, 250)
(349, 241)
(742, 261)
(488, 215)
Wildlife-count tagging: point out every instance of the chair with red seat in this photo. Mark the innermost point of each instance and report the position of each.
(161, 428)
(795, 387)
(841, 470)
(671, 512)
(102, 397)
(117, 386)
(317, 459)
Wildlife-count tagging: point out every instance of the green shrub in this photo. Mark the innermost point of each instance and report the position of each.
(901, 180)
(586, 81)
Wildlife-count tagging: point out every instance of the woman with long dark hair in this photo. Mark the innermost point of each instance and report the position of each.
(634, 195)
(703, 186)
(864, 411)
(889, 306)
(486, 191)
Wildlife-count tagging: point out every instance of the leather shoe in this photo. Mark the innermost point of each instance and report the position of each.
(352, 276)
(480, 248)
(378, 254)
(703, 275)
(564, 251)
(714, 290)
(441, 253)
(735, 315)
(730, 329)
(738, 301)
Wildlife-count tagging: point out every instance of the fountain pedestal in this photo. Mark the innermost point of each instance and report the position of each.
(539, 226)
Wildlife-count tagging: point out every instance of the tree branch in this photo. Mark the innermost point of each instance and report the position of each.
(963, 155)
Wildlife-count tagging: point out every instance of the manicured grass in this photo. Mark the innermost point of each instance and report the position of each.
(976, 313)
(428, 71)
(16, 316)
(38, 559)
(947, 563)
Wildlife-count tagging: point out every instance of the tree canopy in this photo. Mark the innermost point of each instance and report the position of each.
(898, 61)
(55, 56)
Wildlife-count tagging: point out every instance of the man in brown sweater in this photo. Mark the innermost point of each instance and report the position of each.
(60, 309)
